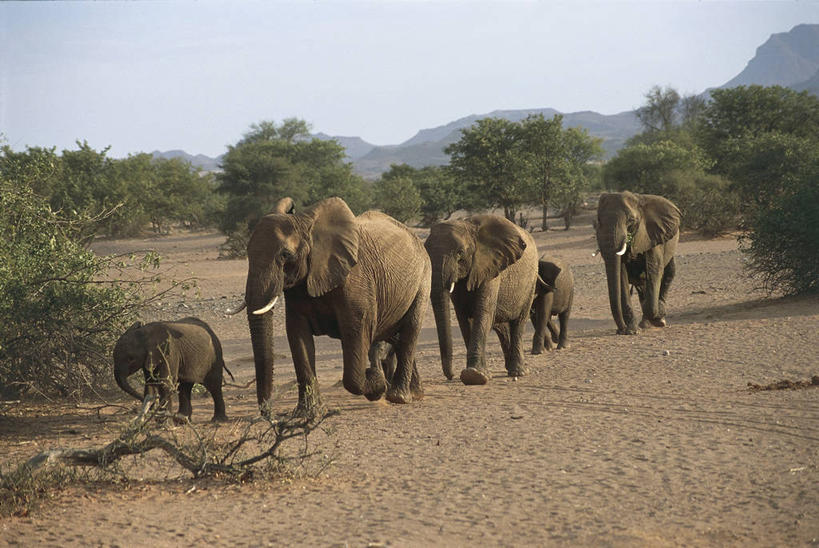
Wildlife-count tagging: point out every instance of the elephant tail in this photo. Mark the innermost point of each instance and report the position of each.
(228, 372)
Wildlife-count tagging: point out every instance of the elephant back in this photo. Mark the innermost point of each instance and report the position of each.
(517, 283)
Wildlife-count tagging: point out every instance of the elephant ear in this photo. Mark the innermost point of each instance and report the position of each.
(547, 272)
(661, 221)
(498, 244)
(334, 240)
(284, 206)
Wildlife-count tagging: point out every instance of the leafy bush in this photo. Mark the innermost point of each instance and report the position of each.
(781, 242)
(707, 203)
(58, 317)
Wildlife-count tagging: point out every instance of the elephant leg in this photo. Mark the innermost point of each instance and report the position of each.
(563, 318)
(360, 377)
(625, 302)
(541, 308)
(651, 302)
(502, 330)
(668, 276)
(213, 383)
(553, 337)
(402, 389)
(486, 297)
(303, 352)
(185, 409)
(515, 366)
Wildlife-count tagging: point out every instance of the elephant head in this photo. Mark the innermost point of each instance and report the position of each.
(629, 225)
(316, 248)
(152, 348)
(467, 253)
(129, 358)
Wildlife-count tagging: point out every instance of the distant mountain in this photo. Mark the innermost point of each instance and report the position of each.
(205, 163)
(426, 148)
(356, 147)
(785, 59)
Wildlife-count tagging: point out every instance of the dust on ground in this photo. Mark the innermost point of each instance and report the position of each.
(649, 440)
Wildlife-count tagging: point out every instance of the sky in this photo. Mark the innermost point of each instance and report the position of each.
(143, 76)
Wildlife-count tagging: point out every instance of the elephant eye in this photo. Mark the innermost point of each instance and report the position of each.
(286, 254)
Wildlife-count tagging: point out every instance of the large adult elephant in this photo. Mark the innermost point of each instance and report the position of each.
(487, 266)
(359, 279)
(637, 235)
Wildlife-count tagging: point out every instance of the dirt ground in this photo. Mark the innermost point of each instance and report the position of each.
(649, 440)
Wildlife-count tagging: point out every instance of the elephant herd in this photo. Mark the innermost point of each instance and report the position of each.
(367, 280)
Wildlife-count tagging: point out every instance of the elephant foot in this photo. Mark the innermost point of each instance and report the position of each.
(311, 412)
(448, 373)
(657, 322)
(516, 371)
(376, 384)
(627, 331)
(563, 346)
(417, 393)
(399, 396)
(180, 419)
(219, 418)
(471, 376)
(537, 350)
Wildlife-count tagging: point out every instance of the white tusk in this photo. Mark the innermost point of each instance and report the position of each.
(452, 287)
(146, 405)
(232, 311)
(625, 245)
(267, 308)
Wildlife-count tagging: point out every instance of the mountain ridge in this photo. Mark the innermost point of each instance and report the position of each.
(788, 59)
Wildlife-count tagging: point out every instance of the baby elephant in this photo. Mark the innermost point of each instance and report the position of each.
(185, 351)
(554, 294)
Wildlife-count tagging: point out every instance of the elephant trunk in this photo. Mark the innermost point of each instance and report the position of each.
(121, 374)
(441, 287)
(261, 336)
(260, 293)
(613, 273)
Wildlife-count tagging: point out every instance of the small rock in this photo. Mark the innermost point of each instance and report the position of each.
(666, 353)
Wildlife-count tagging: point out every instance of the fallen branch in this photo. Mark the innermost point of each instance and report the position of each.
(201, 461)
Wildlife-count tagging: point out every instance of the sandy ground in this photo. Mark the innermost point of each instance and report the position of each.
(650, 440)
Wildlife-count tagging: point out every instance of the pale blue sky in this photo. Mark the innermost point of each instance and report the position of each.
(141, 76)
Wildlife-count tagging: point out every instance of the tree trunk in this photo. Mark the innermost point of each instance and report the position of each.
(544, 224)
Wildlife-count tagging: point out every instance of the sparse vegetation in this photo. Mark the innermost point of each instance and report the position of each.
(252, 450)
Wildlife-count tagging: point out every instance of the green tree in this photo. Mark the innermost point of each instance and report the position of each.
(543, 159)
(486, 163)
(582, 153)
(659, 114)
(398, 198)
(440, 193)
(644, 167)
(766, 140)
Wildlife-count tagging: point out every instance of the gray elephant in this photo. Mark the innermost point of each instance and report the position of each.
(359, 279)
(382, 356)
(637, 235)
(182, 352)
(487, 266)
(554, 294)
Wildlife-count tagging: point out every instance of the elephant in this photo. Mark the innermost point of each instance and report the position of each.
(382, 356)
(186, 351)
(488, 267)
(358, 279)
(637, 235)
(554, 294)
